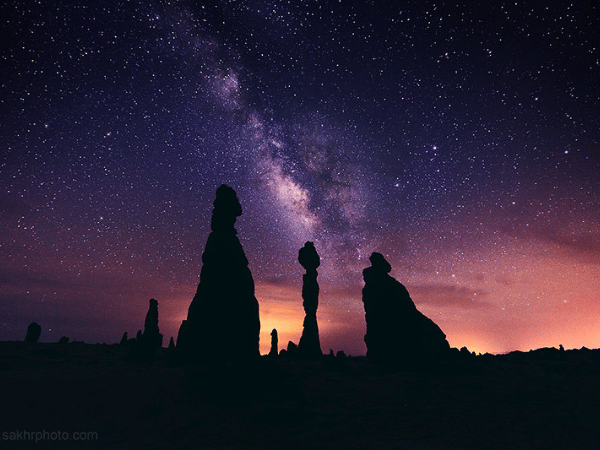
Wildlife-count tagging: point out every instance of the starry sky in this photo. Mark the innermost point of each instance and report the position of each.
(462, 142)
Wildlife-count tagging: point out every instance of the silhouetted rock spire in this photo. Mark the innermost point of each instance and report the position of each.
(274, 343)
(397, 333)
(152, 337)
(33, 333)
(223, 319)
(309, 345)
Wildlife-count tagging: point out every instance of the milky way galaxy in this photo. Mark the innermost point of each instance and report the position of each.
(461, 142)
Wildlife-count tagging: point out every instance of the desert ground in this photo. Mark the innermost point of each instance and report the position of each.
(543, 399)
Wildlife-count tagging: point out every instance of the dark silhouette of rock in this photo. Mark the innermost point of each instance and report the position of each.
(274, 343)
(152, 337)
(292, 350)
(309, 345)
(223, 319)
(33, 333)
(146, 343)
(124, 339)
(171, 343)
(397, 333)
(63, 340)
(182, 335)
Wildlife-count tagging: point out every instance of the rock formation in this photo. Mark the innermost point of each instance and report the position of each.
(397, 333)
(182, 335)
(309, 345)
(33, 333)
(124, 339)
(223, 320)
(274, 343)
(152, 337)
(171, 343)
(292, 350)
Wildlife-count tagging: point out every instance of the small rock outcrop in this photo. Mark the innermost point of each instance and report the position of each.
(171, 343)
(309, 345)
(397, 333)
(124, 339)
(33, 333)
(292, 350)
(223, 319)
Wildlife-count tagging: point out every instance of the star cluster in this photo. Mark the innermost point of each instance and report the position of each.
(461, 141)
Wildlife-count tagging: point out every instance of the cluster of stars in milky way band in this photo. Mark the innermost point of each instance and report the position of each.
(437, 133)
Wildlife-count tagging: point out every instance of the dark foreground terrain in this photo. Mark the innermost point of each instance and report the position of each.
(545, 399)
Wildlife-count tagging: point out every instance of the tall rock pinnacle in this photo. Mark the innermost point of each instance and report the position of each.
(223, 319)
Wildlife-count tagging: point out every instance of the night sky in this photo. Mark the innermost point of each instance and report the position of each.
(462, 142)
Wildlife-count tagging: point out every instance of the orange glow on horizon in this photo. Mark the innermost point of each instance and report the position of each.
(531, 298)
(279, 310)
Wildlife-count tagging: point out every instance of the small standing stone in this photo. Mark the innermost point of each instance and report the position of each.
(33, 333)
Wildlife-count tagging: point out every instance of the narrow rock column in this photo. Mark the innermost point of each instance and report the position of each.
(274, 343)
(152, 337)
(309, 345)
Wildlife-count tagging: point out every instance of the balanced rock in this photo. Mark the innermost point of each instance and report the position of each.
(397, 333)
(309, 345)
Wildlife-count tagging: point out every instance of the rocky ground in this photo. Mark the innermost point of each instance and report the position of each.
(546, 399)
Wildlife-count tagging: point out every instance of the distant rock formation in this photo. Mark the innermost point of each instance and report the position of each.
(309, 345)
(274, 343)
(171, 343)
(292, 350)
(33, 333)
(397, 333)
(151, 337)
(63, 340)
(223, 319)
(124, 339)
